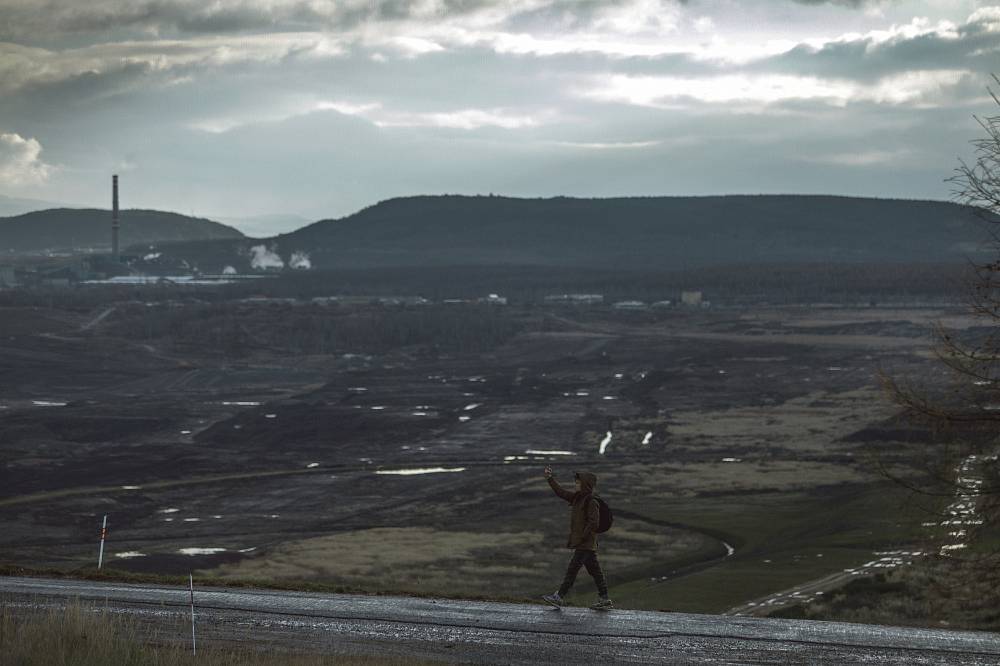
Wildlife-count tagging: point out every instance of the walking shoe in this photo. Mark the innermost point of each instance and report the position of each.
(553, 600)
(603, 604)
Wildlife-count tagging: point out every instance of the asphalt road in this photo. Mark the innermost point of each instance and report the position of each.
(501, 633)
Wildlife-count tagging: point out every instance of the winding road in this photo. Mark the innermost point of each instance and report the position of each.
(487, 632)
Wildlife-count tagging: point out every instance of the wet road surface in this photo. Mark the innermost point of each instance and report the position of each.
(483, 632)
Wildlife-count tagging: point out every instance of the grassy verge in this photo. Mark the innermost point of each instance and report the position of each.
(82, 636)
(781, 541)
(290, 585)
(932, 593)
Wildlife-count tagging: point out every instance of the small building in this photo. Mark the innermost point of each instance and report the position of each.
(629, 305)
(576, 299)
(692, 298)
(494, 299)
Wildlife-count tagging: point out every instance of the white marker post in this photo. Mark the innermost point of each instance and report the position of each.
(194, 644)
(104, 533)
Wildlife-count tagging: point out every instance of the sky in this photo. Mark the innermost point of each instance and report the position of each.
(318, 108)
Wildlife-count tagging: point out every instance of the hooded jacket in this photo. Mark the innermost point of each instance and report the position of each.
(584, 514)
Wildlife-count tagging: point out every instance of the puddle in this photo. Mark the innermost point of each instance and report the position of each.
(270, 416)
(378, 408)
(722, 372)
(732, 460)
(274, 515)
(469, 408)
(357, 389)
(419, 413)
(609, 397)
(201, 551)
(247, 550)
(648, 438)
(512, 458)
(463, 419)
(836, 368)
(170, 510)
(619, 375)
(583, 394)
(311, 465)
(216, 517)
(729, 549)
(536, 452)
(241, 403)
(192, 520)
(962, 511)
(131, 487)
(185, 432)
(129, 554)
(168, 520)
(421, 470)
(47, 403)
(604, 443)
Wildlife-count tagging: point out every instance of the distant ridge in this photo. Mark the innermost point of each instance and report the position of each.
(647, 233)
(62, 229)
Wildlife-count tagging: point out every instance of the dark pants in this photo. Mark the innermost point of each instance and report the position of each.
(584, 558)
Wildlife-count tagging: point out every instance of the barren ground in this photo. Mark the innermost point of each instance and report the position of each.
(739, 461)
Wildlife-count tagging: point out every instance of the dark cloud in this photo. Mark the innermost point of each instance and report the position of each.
(973, 48)
(30, 19)
(842, 3)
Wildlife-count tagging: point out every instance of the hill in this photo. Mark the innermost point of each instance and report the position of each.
(61, 229)
(653, 233)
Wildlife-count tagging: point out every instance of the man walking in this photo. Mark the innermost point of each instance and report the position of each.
(583, 521)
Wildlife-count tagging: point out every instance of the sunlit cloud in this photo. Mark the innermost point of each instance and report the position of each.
(613, 145)
(20, 161)
(379, 116)
(463, 119)
(866, 158)
(670, 91)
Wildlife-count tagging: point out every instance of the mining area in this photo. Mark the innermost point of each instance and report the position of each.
(398, 446)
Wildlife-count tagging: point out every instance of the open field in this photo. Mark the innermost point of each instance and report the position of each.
(739, 444)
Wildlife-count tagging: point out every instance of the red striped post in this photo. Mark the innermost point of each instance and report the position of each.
(104, 534)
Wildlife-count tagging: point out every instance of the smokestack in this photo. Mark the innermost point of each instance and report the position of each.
(114, 218)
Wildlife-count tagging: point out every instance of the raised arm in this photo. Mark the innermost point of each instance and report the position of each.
(556, 488)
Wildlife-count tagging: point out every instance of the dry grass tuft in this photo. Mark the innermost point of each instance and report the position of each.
(83, 636)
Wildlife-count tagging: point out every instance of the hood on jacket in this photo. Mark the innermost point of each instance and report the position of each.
(588, 481)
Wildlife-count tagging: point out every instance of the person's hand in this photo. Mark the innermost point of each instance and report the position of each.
(547, 472)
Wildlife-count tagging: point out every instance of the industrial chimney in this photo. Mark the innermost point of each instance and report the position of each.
(114, 218)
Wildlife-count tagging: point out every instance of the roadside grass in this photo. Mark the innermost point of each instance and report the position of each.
(782, 540)
(84, 636)
(931, 593)
(407, 560)
(427, 561)
(842, 524)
